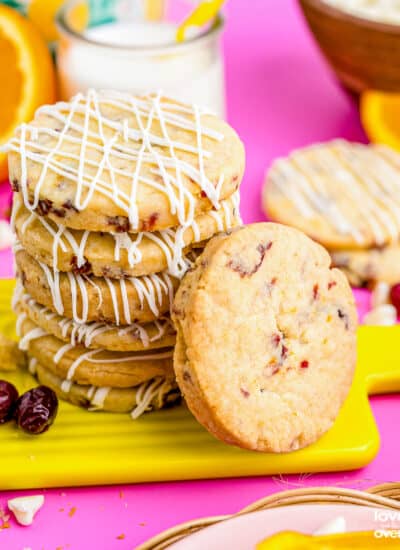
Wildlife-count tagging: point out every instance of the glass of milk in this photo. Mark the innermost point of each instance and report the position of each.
(130, 45)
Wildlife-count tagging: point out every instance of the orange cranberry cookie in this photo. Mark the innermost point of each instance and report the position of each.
(344, 195)
(113, 162)
(266, 338)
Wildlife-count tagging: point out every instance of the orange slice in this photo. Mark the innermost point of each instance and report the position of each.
(26, 75)
(380, 116)
(43, 13)
(361, 540)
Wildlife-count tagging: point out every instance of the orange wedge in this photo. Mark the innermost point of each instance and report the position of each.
(26, 75)
(380, 116)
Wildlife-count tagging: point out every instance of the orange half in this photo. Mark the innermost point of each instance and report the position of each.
(380, 117)
(26, 74)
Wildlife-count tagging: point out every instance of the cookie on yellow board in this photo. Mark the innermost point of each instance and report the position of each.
(266, 338)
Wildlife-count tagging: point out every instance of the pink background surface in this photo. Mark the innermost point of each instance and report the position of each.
(280, 95)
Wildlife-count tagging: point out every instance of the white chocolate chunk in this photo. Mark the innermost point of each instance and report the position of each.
(25, 508)
(380, 294)
(6, 235)
(384, 315)
(332, 527)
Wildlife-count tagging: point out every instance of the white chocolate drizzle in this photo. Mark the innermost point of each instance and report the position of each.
(33, 334)
(115, 142)
(84, 333)
(61, 352)
(66, 386)
(88, 355)
(148, 393)
(98, 397)
(150, 290)
(32, 364)
(365, 178)
(170, 241)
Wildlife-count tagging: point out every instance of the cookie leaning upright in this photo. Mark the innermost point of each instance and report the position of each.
(266, 338)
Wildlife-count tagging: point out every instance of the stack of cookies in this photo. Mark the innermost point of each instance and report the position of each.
(114, 196)
(346, 196)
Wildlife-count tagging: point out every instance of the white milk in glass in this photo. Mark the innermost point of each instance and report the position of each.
(141, 57)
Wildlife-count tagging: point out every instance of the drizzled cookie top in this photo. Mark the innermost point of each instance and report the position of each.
(345, 195)
(113, 162)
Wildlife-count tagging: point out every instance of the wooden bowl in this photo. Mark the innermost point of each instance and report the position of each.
(364, 53)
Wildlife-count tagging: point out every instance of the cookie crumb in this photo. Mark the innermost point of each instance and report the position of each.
(72, 511)
(11, 357)
(121, 536)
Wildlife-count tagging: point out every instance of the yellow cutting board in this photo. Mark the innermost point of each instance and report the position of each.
(93, 448)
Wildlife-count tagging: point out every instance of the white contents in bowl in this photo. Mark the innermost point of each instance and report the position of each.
(332, 527)
(385, 11)
(140, 56)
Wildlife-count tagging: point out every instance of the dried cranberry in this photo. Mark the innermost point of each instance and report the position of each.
(148, 225)
(395, 297)
(8, 398)
(276, 339)
(36, 410)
